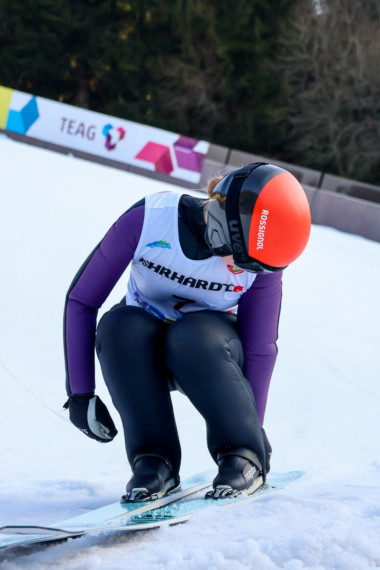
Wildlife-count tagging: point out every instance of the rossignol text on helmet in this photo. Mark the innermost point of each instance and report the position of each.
(260, 215)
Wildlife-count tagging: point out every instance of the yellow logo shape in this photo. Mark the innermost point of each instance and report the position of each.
(5, 102)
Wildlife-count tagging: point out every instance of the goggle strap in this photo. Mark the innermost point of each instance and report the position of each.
(235, 228)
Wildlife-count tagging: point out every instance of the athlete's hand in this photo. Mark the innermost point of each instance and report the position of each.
(89, 414)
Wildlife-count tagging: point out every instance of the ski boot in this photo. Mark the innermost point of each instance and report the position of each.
(240, 473)
(152, 478)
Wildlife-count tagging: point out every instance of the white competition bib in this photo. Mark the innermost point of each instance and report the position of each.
(165, 282)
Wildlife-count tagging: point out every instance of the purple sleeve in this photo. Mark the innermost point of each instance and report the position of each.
(258, 316)
(90, 288)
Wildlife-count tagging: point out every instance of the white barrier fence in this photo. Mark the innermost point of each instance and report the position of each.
(347, 205)
(102, 136)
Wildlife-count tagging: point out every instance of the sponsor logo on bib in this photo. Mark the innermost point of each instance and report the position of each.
(161, 243)
(234, 269)
(190, 281)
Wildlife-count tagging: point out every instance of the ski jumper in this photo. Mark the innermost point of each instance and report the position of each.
(174, 325)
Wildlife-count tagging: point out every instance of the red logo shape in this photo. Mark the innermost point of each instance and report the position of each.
(235, 270)
(238, 288)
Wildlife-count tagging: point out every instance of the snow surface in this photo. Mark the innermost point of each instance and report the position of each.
(322, 418)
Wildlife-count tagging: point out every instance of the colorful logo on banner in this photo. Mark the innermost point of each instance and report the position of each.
(113, 136)
(184, 149)
(18, 121)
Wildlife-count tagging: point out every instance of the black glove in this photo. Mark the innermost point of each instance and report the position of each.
(90, 415)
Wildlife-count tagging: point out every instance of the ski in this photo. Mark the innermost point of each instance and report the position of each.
(181, 511)
(97, 519)
(178, 507)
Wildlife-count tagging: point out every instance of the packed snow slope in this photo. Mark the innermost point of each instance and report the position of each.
(322, 418)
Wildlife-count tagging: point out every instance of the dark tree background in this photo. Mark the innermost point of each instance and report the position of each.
(328, 107)
(291, 79)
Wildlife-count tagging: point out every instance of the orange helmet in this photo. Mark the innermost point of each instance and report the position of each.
(260, 215)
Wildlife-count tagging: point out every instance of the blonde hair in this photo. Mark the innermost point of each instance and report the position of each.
(212, 183)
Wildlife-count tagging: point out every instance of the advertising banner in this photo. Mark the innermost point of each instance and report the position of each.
(102, 135)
